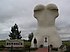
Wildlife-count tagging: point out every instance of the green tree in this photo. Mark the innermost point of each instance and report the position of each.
(30, 37)
(15, 33)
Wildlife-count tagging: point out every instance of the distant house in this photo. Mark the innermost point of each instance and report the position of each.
(15, 43)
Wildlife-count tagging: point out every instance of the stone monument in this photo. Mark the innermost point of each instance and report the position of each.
(46, 16)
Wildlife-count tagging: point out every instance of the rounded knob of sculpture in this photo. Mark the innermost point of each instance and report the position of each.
(46, 15)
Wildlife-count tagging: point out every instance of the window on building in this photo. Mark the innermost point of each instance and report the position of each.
(14, 43)
(7, 43)
(11, 43)
(21, 43)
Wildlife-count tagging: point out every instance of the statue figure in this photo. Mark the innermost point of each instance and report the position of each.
(46, 16)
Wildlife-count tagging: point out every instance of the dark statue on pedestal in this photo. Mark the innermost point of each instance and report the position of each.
(15, 33)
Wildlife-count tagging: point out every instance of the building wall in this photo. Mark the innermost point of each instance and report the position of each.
(14, 43)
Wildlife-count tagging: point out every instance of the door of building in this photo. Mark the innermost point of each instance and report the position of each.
(46, 42)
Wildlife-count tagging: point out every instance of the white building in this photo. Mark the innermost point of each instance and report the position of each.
(14, 43)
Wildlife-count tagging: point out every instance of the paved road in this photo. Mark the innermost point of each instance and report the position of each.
(42, 50)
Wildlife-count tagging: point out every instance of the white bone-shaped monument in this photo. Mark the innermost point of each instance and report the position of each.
(46, 16)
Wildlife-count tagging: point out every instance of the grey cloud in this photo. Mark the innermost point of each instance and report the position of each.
(11, 8)
(21, 12)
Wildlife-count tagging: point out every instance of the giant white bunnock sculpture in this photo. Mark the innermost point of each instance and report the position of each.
(46, 16)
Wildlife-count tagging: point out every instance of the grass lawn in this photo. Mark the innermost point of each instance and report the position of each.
(67, 43)
(2, 42)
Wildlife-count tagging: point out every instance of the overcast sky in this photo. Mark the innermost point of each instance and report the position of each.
(21, 12)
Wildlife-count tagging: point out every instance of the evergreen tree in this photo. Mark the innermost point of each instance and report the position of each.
(30, 37)
(15, 33)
